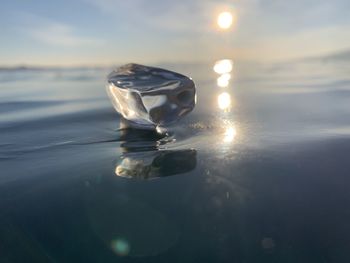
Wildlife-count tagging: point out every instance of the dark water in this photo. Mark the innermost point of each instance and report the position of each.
(267, 181)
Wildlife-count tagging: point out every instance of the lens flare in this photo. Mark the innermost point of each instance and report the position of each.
(223, 66)
(224, 101)
(225, 20)
(120, 247)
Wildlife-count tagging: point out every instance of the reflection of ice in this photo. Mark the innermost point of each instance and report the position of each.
(143, 157)
(137, 140)
(152, 164)
(223, 66)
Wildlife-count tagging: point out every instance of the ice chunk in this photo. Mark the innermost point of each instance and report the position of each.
(149, 96)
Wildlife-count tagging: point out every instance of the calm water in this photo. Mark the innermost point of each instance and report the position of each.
(267, 181)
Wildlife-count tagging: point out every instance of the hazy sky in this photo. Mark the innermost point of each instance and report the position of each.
(96, 32)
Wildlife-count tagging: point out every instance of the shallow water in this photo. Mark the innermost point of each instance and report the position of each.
(266, 181)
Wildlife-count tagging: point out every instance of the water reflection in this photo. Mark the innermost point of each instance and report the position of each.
(138, 140)
(224, 101)
(153, 164)
(223, 66)
(230, 134)
(143, 157)
(223, 80)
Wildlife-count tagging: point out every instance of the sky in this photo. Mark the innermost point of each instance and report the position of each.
(104, 32)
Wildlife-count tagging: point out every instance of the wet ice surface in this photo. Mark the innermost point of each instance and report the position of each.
(266, 181)
(147, 96)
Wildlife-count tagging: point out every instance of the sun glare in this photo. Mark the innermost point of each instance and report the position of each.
(225, 20)
(223, 66)
(224, 101)
(223, 80)
(230, 134)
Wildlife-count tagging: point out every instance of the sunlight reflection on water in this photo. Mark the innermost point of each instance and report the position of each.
(223, 66)
(223, 80)
(224, 101)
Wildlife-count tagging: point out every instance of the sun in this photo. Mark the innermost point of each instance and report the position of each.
(225, 20)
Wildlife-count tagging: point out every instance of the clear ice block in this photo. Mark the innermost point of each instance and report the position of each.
(148, 97)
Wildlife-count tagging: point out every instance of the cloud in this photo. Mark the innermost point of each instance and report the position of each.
(340, 56)
(60, 35)
(310, 42)
(53, 33)
(185, 30)
(198, 15)
(174, 16)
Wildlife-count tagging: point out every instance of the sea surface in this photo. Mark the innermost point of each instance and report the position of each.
(260, 174)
